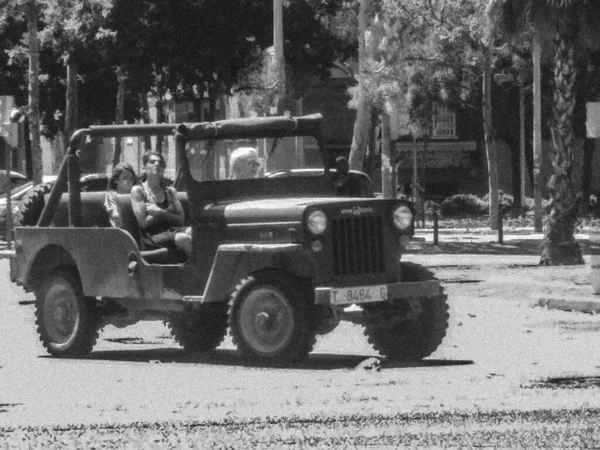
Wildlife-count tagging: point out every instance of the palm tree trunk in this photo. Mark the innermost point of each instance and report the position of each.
(559, 244)
(34, 91)
(537, 130)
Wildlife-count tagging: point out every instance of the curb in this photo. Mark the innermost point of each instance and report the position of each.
(586, 306)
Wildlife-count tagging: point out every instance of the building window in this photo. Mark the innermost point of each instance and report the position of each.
(444, 123)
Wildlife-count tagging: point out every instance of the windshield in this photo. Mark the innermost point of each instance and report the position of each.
(235, 159)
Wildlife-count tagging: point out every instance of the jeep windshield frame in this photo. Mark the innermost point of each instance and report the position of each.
(246, 129)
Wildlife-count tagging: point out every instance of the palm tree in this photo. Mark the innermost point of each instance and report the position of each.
(570, 27)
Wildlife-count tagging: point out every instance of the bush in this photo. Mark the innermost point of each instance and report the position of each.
(461, 205)
(506, 201)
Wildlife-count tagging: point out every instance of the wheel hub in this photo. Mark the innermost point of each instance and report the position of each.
(63, 318)
(61, 315)
(266, 320)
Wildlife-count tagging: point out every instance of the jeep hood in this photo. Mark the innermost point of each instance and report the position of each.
(271, 210)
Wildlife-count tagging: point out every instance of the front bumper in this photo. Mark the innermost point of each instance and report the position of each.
(329, 296)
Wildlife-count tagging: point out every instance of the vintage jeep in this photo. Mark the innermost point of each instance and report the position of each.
(276, 259)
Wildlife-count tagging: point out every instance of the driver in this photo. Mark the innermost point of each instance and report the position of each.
(244, 163)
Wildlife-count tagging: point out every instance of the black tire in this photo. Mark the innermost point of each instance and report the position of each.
(31, 205)
(67, 322)
(409, 338)
(273, 318)
(201, 330)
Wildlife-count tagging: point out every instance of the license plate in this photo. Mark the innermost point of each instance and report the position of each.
(359, 294)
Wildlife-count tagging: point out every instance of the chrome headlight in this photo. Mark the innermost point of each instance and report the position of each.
(316, 221)
(402, 217)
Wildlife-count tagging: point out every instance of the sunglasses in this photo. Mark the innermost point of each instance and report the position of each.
(156, 161)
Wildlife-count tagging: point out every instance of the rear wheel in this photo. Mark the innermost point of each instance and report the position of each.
(201, 330)
(273, 318)
(408, 329)
(67, 322)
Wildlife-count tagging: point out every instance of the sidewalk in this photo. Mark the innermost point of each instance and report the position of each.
(478, 241)
(520, 248)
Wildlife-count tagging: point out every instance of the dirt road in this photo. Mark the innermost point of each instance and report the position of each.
(502, 355)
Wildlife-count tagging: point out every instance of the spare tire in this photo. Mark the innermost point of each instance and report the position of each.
(29, 209)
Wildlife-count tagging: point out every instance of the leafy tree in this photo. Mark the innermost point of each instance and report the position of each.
(30, 10)
(571, 26)
(430, 52)
(71, 30)
(12, 77)
(316, 36)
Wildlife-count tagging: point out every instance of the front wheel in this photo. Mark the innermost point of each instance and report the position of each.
(67, 322)
(272, 318)
(408, 329)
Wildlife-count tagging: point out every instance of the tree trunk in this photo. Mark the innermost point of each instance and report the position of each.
(586, 175)
(537, 130)
(423, 179)
(360, 136)
(515, 164)
(387, 187)
(71, 114)
(522, 157)
(279, 55)
(490, 139)
(119, 113)
(34, 92)
(145, 108)
(559, 246)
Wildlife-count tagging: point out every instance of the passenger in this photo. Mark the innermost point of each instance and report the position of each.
(346, 183)
(244, 163)
(158, 210)
(122, 179)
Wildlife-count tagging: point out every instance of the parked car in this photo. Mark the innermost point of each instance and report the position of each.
(23, 193)
(16, 179)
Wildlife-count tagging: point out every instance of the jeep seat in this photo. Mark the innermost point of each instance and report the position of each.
(94, 214)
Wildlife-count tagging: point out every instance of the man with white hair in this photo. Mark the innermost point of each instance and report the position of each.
(244, 163)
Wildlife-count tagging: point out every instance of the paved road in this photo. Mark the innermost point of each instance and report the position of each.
(501, 354)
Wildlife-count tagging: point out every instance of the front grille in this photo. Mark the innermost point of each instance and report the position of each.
(358, 245)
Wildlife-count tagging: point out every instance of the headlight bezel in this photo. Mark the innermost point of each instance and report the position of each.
(402, 217)
(316, 222)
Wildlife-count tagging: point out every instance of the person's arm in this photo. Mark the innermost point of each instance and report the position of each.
(179, 213)
(110, 204)
(174, 214)
(138, 204)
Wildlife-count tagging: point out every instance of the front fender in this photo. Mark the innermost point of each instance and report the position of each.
(236, 261)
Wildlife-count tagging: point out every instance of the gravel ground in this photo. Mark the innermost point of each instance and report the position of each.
(532, 429)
